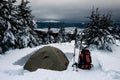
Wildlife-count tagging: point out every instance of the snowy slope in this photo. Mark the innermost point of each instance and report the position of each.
(106, 65)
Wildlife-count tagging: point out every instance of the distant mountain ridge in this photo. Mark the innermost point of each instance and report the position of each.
(58, 24)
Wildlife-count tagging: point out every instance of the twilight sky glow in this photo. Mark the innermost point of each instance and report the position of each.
(72, 10)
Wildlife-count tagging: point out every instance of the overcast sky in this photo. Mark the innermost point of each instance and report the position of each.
(72, 10)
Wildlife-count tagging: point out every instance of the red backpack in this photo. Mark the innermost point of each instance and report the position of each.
(85, 59)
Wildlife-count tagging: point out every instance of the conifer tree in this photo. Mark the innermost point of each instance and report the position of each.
(26, 36)
(16, 26)
(98, 31)
(48, 40)
(7, 37)
(61, 35)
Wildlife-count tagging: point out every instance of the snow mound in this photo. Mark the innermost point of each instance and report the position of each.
(109, 63)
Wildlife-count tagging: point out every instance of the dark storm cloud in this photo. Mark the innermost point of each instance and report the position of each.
(71, 10)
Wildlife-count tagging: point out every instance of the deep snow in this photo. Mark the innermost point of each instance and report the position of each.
(106, 65)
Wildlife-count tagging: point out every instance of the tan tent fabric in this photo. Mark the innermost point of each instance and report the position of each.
(47, 58)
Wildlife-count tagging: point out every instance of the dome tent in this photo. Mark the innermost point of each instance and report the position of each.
(47, 58)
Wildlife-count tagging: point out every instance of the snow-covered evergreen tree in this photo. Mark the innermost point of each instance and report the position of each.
(7, 37)
(61, 35)
(26, 36)
(49, 38)
(74, 36)
(99, 31)
(16, 26)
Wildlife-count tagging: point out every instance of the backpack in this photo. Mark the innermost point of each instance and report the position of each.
(85, 59)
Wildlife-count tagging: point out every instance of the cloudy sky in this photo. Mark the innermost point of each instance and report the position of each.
(72, 10)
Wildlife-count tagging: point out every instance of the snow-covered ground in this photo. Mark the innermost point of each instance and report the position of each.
(56, 30)
(106, 65)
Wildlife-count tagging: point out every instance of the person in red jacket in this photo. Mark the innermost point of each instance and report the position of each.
(84, 59)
